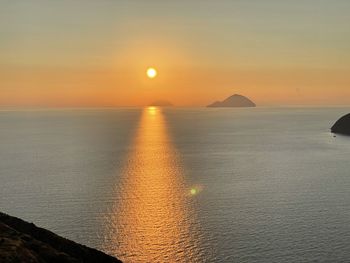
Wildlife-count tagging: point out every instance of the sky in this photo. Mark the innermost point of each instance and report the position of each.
(95, 53)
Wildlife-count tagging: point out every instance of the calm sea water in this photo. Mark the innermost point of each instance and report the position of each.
(185, 185)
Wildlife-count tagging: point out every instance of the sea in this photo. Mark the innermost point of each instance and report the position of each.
(265, 184)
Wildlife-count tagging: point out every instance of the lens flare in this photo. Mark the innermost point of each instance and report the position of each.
(195, 190)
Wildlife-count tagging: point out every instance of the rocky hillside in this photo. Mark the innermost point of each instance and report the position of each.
(342, 126)
(21, 241)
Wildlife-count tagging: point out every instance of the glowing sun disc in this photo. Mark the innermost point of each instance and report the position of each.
(151, 73)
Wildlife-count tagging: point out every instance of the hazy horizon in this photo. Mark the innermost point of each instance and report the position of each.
(95, 54)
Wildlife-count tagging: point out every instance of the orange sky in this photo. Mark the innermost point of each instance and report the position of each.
(57, 55)
(28, 87)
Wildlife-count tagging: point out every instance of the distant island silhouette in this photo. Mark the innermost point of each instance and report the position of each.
(342, 126)
(161, 103)
(235, 100)
(21, 241)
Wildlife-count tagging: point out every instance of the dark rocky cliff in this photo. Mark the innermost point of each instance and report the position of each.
(342, 126)
(21, 241)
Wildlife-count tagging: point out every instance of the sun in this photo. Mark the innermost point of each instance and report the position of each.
(151, 73)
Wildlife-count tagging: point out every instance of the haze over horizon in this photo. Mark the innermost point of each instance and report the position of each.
(96, 53)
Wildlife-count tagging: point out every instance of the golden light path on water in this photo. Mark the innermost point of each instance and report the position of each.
(154, 219)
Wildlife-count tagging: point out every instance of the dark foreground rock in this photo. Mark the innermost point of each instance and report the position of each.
(235, 100)
(24, 242)
(342, 126)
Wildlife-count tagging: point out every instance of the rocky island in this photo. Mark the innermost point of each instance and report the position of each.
(235, 100)
(21, 241)
(342, 126)
(161, 103)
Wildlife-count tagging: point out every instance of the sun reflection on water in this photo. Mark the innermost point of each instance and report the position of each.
(152, 110)
(154, 219)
